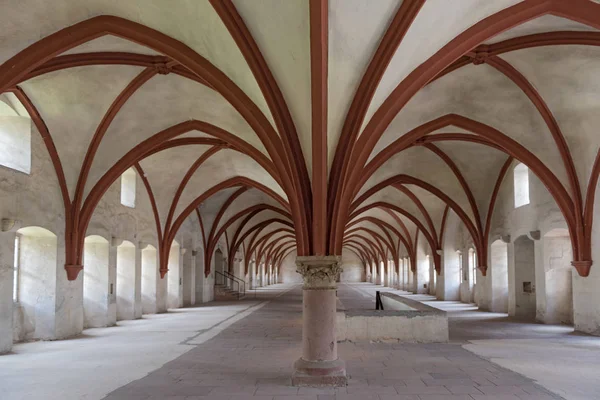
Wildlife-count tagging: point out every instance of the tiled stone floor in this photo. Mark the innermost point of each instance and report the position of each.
(252, 359)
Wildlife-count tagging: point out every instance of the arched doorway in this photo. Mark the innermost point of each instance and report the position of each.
(174, 291)
(472, 263)
(432, 276)
(96, 283)
(219, 268)
(525, 297)
(149, 280)
(498, 274)
(126, 281)
(198, 284)
(556, 298)
(36, 259)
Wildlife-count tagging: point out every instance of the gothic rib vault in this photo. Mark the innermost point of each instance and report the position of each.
(316, 127)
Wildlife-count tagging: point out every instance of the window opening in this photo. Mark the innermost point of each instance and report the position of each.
(128, 188)
(521, 182)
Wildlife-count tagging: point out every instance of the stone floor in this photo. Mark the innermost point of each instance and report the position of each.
(245, 351)
(103, 359)
(532, 349)
(252, 359)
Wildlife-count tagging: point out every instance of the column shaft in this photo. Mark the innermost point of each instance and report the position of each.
(319, 365)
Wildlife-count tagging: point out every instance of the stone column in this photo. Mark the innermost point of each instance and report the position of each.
(137, 292)
(319, 364)
(7, 246)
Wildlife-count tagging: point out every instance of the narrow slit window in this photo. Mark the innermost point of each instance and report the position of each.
(128, 188)
(521, 180)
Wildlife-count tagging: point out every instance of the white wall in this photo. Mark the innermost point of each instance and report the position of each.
(555, 293)
(126, 281)
(175, 289)
(37, 284)
(96, 284)
(353, 268)
(498, 275)
(7, 240)
(546, 263)
(287, 271)
(421, 277)
(449, 280)
(524, 266)
(149, 279)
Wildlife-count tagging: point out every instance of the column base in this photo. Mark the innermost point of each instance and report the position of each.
(319, 373)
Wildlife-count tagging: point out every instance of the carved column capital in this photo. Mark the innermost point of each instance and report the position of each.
(319, 272)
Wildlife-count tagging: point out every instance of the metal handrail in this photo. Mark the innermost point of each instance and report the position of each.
(240, 282)
(234, 280)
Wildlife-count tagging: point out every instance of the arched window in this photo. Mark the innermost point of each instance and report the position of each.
(521, 181)
(15, 135)
(128, 188)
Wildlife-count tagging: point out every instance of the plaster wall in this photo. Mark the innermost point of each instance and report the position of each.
(386, 270)
(112, 285)
(208, 282)
(555, 299)
(482, 291)
(20, 200)
(586, 297)
(126, 281)
(96, 286)
(525, 302)
(287, 270)
(175, 278)
(498, 275)
(200, 285)
(451, 283)
(501, 290)
(7, 240)
(467, 288)
(149, 279)
(406, 275)
(421, 277)
(541, 214)
(37, 287)
(137, 301)
(189, 278)
(449, 279)
(353, 269)
(162, 293)
(374, 273)
(432, 278)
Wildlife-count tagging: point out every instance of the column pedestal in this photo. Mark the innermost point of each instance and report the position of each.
(319, 365)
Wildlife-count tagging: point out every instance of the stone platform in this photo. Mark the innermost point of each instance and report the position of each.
(402, 320)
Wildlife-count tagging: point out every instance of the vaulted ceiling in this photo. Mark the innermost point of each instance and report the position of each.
(316, 125)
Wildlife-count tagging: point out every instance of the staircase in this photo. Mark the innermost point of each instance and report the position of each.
(229, 287)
